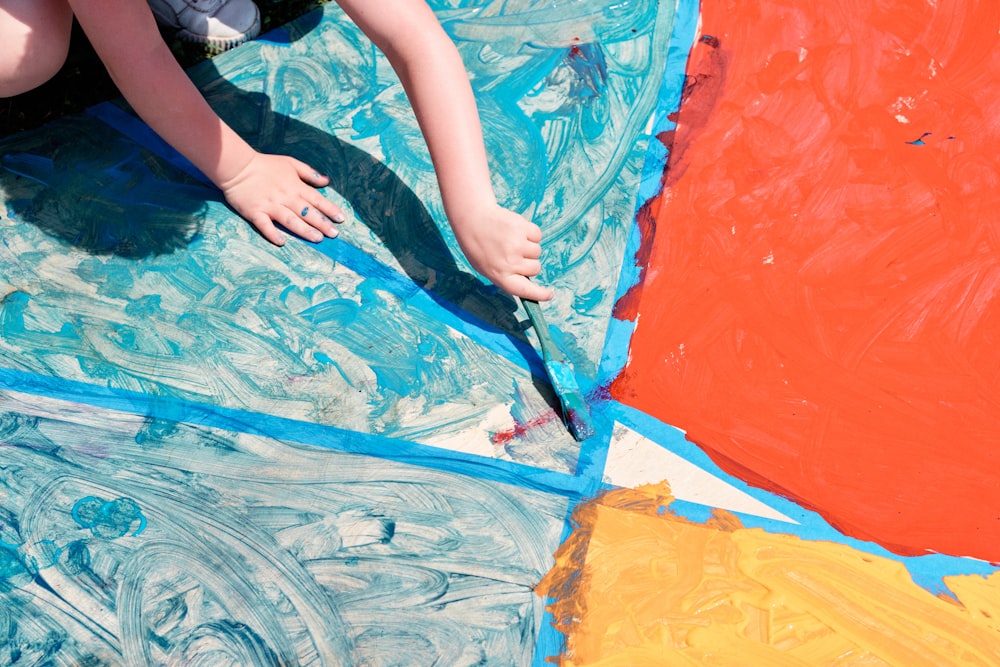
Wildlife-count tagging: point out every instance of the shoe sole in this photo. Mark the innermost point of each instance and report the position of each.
(220, 44)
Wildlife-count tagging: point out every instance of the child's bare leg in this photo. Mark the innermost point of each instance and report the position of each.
(35, 38)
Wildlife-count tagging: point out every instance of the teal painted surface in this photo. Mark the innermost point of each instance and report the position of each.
(130, 540)
(344, 454)
(156, 286)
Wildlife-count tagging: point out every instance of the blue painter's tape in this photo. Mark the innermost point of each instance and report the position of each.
(400, 286)
(594, 452)
(550, 641)
(289, 430)
(135, 129)
(926, 570)
(682, 37)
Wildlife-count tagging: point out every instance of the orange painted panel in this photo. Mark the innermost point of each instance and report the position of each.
(638, 585)
(821, 307)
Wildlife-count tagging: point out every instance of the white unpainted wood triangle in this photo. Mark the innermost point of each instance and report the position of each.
(634, 460)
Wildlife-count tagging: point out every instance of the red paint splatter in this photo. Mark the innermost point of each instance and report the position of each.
(521, 428)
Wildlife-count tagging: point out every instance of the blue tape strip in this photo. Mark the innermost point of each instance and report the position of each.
(927, 570)
(290, 430)
(594, 452)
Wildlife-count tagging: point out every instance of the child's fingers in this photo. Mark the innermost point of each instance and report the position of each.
(312, 215)
(309, 175)
(529, 267)
(533, 232)
(329, 210)
(524, 288)
(262, 223)
(318, 212)
(297, 223)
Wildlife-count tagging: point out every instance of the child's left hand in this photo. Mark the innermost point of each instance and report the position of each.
(504, 247)
(278, 188)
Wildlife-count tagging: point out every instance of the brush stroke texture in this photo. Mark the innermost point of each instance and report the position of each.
(226, 320)
(565, 91)
(819, 310)
(126, 540)
(154, 286)
(636, 584)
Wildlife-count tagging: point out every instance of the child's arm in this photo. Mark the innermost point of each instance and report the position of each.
(500, 244)
(260, 187)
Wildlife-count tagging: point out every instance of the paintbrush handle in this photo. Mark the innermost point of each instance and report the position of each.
(575, 412)
(549, 348)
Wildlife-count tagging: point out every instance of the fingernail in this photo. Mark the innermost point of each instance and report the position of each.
(339, 217)
(304, 212)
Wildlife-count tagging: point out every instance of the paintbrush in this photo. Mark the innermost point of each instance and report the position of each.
(575, 412)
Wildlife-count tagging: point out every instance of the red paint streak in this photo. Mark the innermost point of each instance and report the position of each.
(521, 429)
(821, 306)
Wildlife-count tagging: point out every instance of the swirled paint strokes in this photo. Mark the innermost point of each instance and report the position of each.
(565, 91)
(820, 305)
(126, 540)
(130, 274)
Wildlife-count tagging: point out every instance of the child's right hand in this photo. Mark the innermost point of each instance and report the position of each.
(504, 247)
(278, 188)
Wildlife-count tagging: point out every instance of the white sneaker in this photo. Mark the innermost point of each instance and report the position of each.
(221, 24)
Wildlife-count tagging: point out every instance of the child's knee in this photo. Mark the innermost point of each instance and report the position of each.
(35, 38)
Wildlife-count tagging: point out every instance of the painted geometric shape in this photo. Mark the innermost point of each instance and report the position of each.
(635, 460)
(819, 307)
(129, 538)
(639, 584)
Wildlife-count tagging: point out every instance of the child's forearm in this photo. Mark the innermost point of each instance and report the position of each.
(189, 125)
(437, 85)
(262, 188)
(154, 84)
(500, 244)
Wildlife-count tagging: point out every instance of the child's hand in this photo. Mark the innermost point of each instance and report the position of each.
(504, 247)
(278, 188)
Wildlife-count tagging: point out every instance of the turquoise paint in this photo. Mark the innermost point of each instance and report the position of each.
(180, 535)
(109, 518)
(316, 94)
